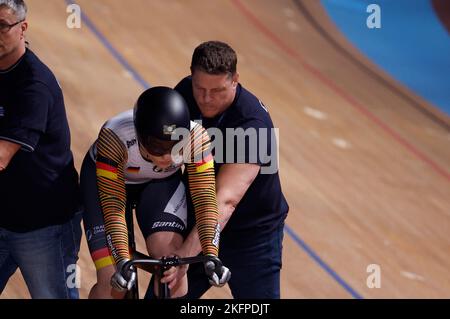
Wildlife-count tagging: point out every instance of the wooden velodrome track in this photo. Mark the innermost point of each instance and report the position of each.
(365, 163)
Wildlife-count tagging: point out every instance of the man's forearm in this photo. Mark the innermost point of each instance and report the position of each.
(232, 182)
(191, 245)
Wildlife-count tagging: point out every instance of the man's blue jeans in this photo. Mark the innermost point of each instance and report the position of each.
(46, 257)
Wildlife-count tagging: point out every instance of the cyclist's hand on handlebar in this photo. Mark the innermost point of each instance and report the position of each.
(217, 273)
(123, 279)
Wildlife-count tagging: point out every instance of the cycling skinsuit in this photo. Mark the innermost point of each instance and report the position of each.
(114, 170)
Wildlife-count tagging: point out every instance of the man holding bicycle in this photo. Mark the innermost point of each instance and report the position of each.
(251, 203)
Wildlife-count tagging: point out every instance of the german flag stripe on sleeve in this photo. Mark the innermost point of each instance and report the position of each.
(106, 167)
(203, 190)
(103, 262)
(106, 170)
(207, 162)
(102, 258)
(106, 160)
(111, 158)
(100, 253)
(208, 158)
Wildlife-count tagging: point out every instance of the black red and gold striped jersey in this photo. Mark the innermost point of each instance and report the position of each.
(119, 162)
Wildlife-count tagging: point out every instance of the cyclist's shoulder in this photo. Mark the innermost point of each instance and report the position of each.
(122, 126)
(118, 130)
(119, 121)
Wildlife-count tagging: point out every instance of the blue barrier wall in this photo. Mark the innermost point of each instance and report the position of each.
(412, 45)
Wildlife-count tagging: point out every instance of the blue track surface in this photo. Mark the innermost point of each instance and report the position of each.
(412, 45)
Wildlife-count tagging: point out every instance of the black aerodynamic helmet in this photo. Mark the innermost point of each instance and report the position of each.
(158, 112)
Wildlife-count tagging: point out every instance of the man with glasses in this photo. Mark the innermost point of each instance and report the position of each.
(4, 27)
(11, 27)
(40, 229)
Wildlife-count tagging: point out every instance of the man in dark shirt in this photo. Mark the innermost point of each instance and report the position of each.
(251, 203)
(39, 221)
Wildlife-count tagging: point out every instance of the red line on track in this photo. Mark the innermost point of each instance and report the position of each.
(344, 95)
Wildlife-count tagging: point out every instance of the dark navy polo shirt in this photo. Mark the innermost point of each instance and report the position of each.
(264, 206)
(39, 188)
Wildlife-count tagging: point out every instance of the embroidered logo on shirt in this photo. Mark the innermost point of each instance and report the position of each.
(131, 143)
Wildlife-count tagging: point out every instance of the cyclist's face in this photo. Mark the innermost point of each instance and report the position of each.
(213, 93)
(162, 160)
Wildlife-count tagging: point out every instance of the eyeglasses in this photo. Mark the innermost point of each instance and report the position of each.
(4, 27)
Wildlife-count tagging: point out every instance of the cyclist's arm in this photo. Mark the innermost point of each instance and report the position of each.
(232, 182)
(202, 187)
(7, 152)
(111, 157)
